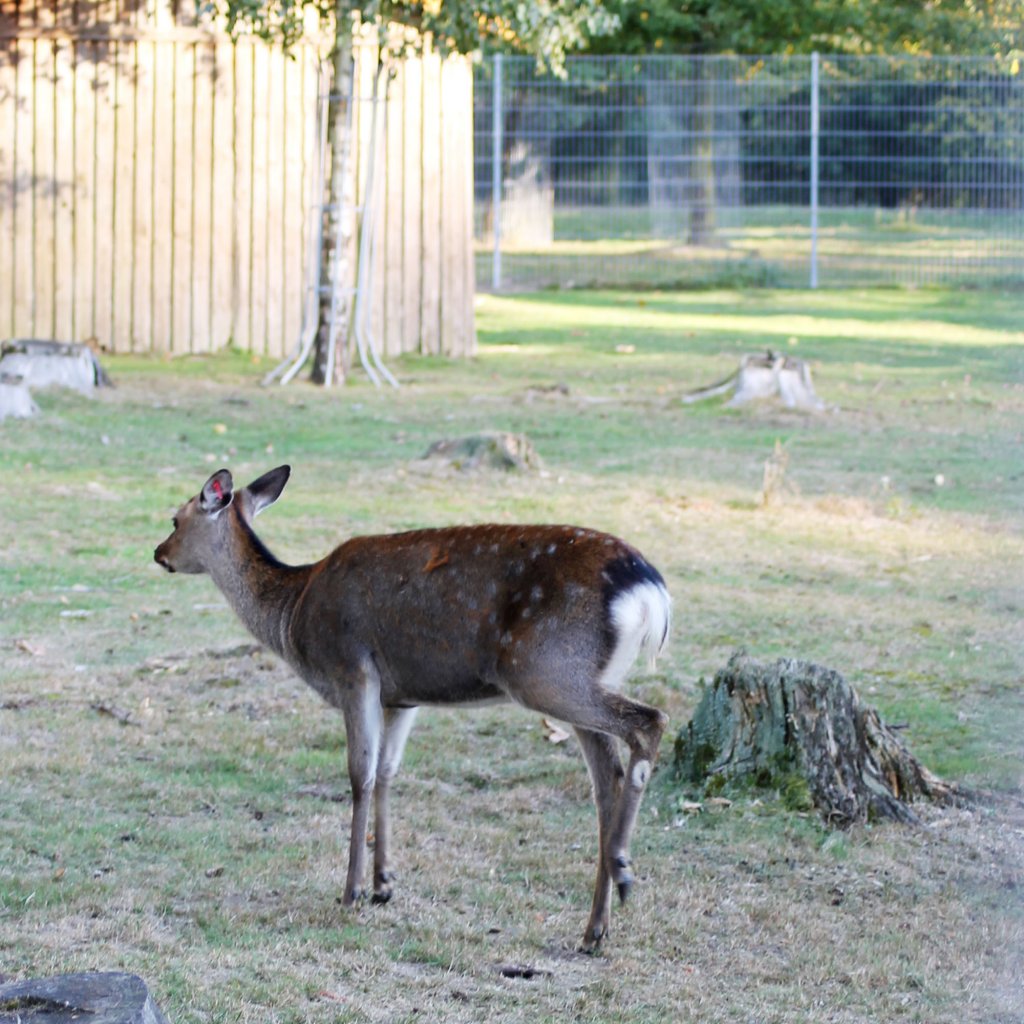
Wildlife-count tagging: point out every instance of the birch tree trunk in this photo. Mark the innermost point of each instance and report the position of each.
(337, 264)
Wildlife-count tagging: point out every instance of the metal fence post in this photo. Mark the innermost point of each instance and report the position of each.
(814, 168)
(496, 184)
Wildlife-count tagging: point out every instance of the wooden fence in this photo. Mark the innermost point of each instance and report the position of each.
(155, 188)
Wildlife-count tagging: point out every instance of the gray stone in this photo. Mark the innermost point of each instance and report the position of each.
(98, 997)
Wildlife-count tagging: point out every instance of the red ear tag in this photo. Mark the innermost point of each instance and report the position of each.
(217, 489)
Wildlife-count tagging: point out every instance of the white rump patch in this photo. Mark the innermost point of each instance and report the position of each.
(641, 617)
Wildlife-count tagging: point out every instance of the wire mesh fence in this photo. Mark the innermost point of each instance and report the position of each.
(774, 171)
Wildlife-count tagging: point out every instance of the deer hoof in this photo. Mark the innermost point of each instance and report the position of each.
(382, 887)
(592, 939)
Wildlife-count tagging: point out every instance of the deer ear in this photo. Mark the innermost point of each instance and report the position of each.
(216, 493)
(267, 489)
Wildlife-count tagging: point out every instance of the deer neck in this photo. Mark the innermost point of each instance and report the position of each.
(261, 590)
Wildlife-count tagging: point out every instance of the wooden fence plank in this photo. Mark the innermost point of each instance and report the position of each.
(181, 206)
(161, 274)
(258, 227)
(466, 243)
(124, 197)
(453, 181)
(273, 176)
(412, 204)
(63, 191)
(103, 193)
(143, 199)
(202, 197)
(222, 214)
(83, 174)
(377, 266)
(393, 302)
(43, 190)
(430, 257)
(370, 133)
(242, 258)
(296, 136)
(103, 243)
(23, 271)
(8, 181)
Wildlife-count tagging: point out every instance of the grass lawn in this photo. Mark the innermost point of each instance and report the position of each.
(173, 801)
(760, 246)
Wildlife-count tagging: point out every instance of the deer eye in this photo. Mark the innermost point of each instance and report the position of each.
(174, 522)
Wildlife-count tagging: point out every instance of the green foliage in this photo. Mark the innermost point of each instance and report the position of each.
(545, 29)
(799, 26)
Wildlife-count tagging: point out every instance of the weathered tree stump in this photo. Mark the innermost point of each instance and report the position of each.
(795, 724)
(488, 450)
(97, 997)
(42, 364)
(15, 398)
(765, 376)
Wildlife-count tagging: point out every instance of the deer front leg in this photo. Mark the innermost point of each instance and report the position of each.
(397, 724)
(363, 724)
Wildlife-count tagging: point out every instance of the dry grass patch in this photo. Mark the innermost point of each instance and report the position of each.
(173, 802)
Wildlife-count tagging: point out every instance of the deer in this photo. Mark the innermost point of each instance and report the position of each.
(550, 617)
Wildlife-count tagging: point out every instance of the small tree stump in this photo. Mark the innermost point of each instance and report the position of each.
(15, 398)
(488, 450)
(796, 720)
(765, 376)
(105, 997)
(42, 364)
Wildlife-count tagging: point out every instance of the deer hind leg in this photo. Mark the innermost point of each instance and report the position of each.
(606, 774)
(640, 727)
(397, 724)
(363, 727)
(642, 730)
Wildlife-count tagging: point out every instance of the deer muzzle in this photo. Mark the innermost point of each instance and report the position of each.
(160, 557)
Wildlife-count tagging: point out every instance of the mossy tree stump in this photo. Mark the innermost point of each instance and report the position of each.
(491, 449)
(796, 720)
